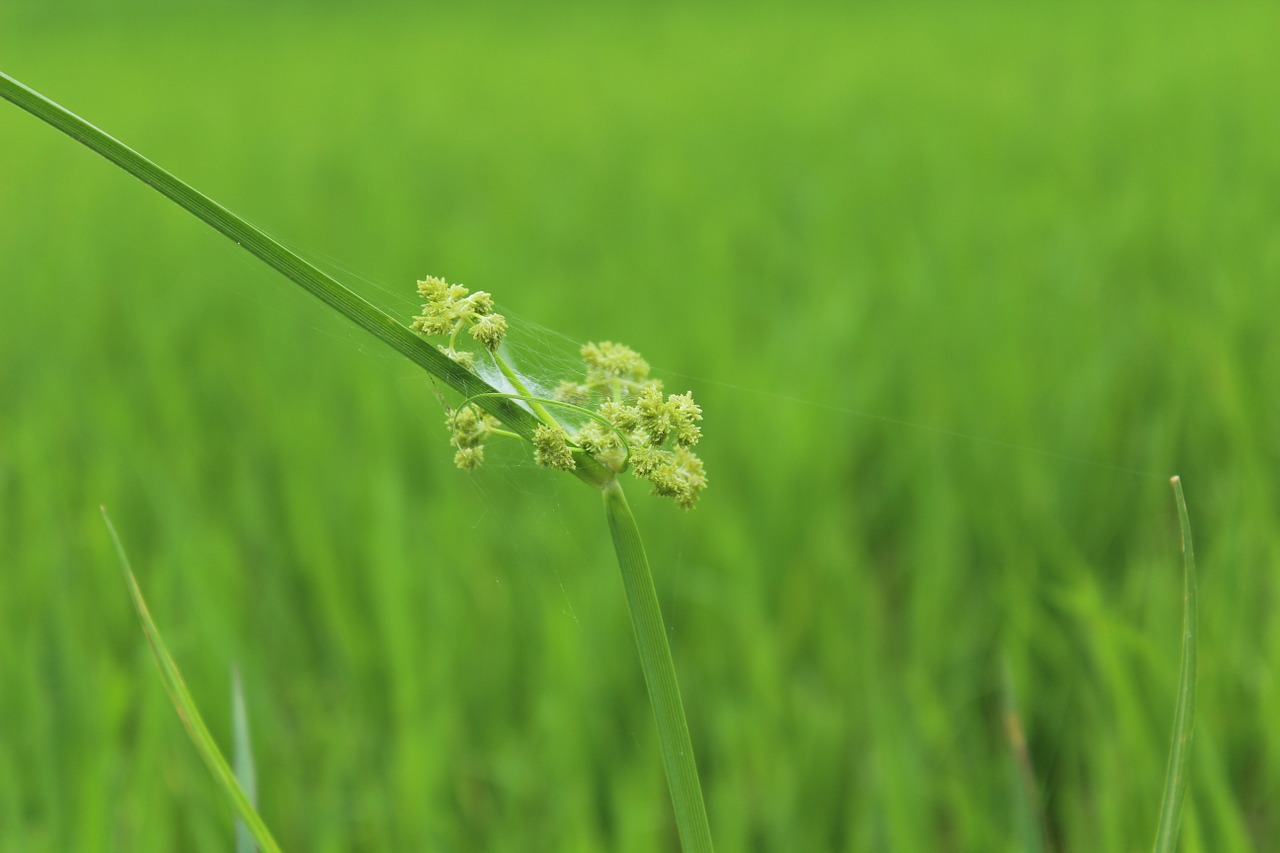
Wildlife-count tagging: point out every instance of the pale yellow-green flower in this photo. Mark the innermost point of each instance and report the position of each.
(469, 428)
(447, 309)
(551, 448)
(613, 369)
(623, 418)
(489, 330)
(659, 431)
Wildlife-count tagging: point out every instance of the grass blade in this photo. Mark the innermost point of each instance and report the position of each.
(659, 674)
(324, 287)
(1175, 780)
(187, 709)
(246, 775)
(1027, 812)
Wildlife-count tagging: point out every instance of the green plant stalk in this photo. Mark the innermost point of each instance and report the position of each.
(659, 674)
(288, 263)
(518, 384)
(1175, 780)
(187, 709)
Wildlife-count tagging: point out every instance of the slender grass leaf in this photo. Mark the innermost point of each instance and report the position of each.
(1027, 812)
(246, 774)
(1175, 780)
(187, 709)
(659, 674)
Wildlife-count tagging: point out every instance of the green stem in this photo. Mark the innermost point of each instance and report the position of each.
(518, 384)
(659, 674)
(320, 285)
(1175, 780)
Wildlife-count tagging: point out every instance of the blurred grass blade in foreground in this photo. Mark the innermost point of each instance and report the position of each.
(1175, 780)
(246, 775)
(1023, 789)
(187, 709)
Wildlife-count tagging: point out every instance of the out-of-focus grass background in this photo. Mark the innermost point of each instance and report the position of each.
(957, 288)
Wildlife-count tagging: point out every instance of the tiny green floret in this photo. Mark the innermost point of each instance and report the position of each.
(489, 331)
(470, 427)
(679, 476)
(463, 357)
(551, 448)
(613, 368)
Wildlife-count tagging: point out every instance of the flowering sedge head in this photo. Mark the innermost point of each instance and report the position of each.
(469, 428)
(627, 420)
(651, 433)
(448, 309)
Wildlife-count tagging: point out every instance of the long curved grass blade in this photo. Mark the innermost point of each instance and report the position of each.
(242, 752)
(659, 674)
(1175, 780)
(1027, 812)
(187, 709)
(288, 263)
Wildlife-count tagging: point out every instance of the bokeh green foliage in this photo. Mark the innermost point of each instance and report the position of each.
(957, 290)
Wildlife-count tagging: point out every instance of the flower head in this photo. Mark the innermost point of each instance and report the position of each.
(466, 359)
(575, 393)
(469, 428)
(659, 431)
(469, 458)
(624, 418)
(680, 476)
(447, 309)
(489, 330)
(612, 368)
(551, 448)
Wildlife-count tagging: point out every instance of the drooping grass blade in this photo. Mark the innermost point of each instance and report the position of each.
(246, 774)
(187, 708)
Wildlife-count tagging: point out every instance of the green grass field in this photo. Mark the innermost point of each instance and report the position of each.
(958, 291)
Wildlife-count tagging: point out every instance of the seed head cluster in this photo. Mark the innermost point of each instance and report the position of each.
(469, 427)
(449, 308)
(628, 420)
(659, 431)
(551, 447)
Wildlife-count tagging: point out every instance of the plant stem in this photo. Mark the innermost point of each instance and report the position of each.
(659, 674)
(518, 384)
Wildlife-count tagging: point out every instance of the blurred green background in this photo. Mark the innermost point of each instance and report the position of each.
(958, 289)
